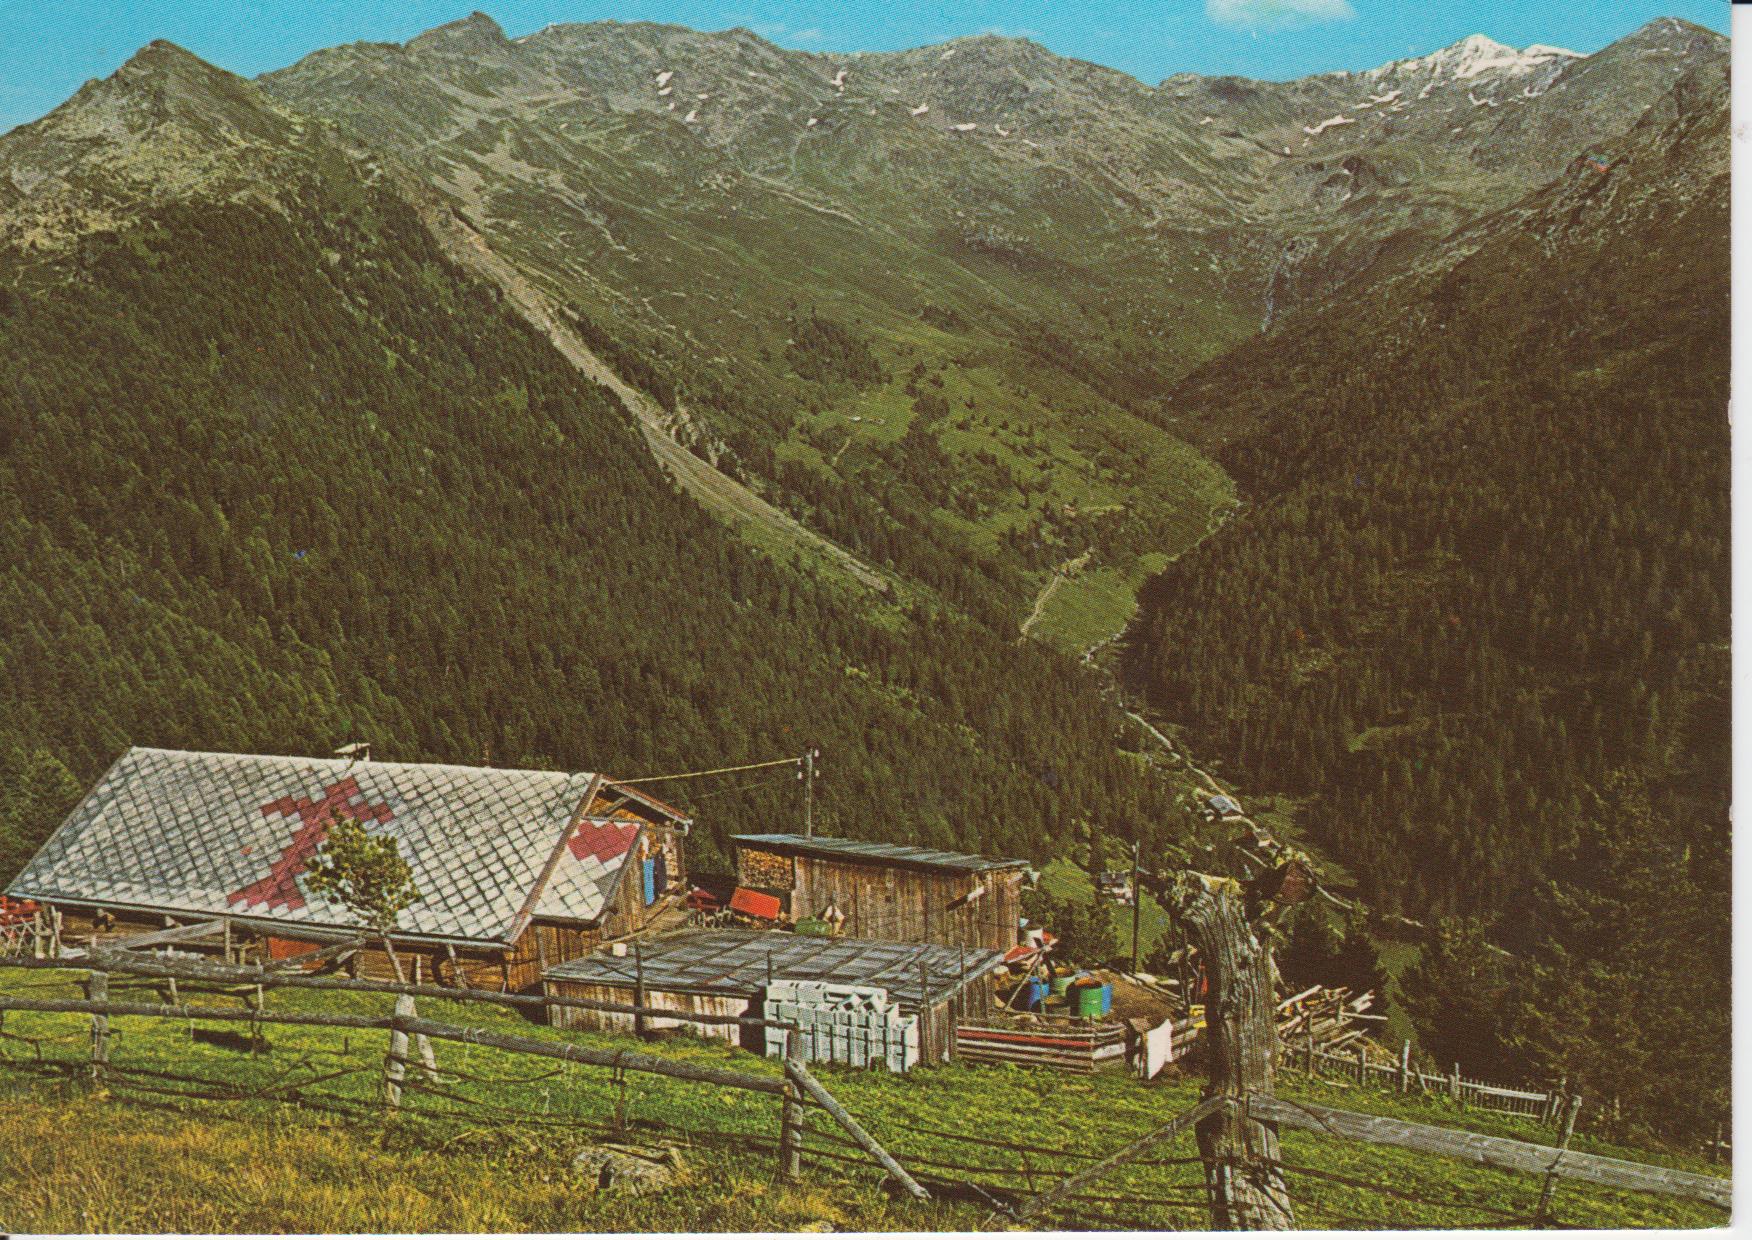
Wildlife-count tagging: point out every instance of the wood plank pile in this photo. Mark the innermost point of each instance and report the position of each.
(1071, 1046)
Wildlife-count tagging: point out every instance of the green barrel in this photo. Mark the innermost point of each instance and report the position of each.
(1092, 999)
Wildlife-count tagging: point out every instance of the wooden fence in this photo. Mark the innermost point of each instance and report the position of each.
(1545, 1106)
(1047, 1186)
(410, 1056)
(1325, 1033)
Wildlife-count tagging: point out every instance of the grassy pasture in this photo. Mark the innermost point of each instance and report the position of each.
(496, 1155)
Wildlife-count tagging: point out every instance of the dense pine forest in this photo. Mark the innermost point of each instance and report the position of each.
(277, 479)
(1474, 620)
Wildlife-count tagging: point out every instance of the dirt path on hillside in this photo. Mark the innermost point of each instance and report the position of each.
(715, 490)
(1063, 573)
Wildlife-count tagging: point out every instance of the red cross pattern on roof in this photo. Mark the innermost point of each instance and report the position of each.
(280, 888)
(603, 841)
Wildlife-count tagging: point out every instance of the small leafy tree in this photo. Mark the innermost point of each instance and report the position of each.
(366, 873)
(1084, 928)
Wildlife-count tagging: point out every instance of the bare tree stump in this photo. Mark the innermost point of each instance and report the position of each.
(1240, 1153)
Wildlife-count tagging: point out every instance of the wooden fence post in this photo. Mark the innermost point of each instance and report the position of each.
(1240, 1152)
(1542, 1216)
(396, 1062)
(1362, 1064)
(639, 991)
(423, 1048)
(814, 1088)
(1405, 1066)
(1310, 1046)
(1454, 1083)
(790, 1121)
(97, 990)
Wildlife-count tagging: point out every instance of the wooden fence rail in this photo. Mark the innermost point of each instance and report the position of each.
(1487, 1151)
(243, 975)
(630, 1061)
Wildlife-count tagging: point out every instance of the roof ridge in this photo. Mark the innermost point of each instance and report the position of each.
(351, 763)
(532, 899)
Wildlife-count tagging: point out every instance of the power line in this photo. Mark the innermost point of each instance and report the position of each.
(722, 770)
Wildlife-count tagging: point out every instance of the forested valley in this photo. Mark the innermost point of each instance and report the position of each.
(1474, 620)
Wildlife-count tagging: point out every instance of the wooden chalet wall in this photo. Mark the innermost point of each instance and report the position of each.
(936, 1023)
(972, 1003)
(668, 1000)
(898, 903)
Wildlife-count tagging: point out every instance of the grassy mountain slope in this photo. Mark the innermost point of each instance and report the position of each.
(275, 473)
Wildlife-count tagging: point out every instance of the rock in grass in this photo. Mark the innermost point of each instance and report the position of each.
(629, 1169)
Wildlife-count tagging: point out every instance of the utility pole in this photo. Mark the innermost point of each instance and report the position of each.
(1137, 905)
(807, 775)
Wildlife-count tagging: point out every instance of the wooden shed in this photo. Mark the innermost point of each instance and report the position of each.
(517, 870)
(888, 891)
(727, 973)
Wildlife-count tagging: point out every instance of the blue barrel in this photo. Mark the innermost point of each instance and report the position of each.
(650, 880)
(1036, 993)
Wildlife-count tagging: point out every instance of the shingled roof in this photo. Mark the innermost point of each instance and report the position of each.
(229, 835)
(867, 852)
(740, 962)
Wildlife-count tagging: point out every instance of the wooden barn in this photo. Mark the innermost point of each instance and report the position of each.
(728, 973)
(517, 870)
(887, 891)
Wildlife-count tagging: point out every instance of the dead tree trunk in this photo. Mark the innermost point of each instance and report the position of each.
(1240, 1153)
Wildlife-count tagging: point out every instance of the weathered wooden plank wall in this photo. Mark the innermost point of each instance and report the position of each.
(669, 1001)
(907, 905)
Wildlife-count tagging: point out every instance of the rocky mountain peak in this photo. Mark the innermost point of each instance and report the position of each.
(467, 36)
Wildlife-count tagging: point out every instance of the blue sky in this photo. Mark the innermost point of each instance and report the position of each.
(49, 47)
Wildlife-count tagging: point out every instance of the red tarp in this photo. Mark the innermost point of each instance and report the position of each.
(756, 904)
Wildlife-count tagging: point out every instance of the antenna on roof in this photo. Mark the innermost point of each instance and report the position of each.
(358, 751)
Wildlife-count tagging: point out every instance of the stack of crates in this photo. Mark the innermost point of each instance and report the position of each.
(856, 1025)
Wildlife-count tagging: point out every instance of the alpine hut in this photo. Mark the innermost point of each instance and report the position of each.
(516, 870)
(903, 997)
(896, 892)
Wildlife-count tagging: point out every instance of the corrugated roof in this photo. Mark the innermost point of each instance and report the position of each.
(223, 834)
(879, 854)
(736, 962)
